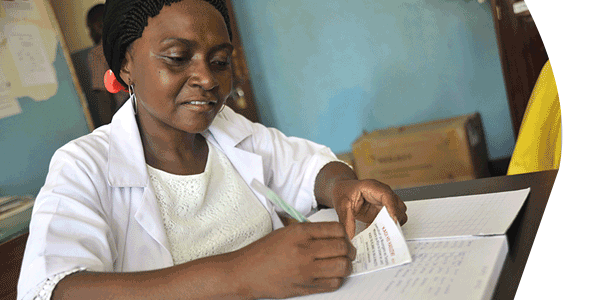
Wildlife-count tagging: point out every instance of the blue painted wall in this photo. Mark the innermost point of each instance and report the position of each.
(28, 140)
(326, 69)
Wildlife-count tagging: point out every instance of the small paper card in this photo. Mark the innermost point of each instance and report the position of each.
(380, 246)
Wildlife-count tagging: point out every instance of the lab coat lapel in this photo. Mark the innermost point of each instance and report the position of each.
(250, 167)
(126, 161)
(227, 135)
(148, 215)
(127, 169)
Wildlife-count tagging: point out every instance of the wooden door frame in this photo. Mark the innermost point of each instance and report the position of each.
(243, 104)
(522, 56)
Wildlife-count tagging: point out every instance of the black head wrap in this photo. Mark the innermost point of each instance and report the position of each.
(125, 20)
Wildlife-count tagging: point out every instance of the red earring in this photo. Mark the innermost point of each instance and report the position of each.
(111, 83)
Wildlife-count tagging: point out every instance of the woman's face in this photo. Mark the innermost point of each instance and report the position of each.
(181, 67)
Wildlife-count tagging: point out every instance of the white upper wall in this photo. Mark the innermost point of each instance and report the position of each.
(71, 16)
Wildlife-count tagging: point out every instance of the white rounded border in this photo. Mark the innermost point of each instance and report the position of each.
(564, 257)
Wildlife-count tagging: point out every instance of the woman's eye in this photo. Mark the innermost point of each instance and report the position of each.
(222, 63)
(175, 59)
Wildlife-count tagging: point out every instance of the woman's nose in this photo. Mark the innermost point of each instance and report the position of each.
(202, 76)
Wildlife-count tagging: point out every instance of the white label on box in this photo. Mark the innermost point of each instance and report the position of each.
(520, 7)
(473, 136)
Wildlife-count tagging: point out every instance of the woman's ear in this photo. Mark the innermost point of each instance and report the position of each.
(126, 67)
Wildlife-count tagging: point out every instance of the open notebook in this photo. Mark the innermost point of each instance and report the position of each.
(457, 244)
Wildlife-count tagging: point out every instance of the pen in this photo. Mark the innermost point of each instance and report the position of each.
(277, 201)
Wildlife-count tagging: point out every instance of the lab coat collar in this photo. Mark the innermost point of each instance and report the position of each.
(126, 161)
(127, 164)
(127, 168)
(225, 132)
(227, 135)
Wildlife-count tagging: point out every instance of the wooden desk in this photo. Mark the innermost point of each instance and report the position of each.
(11, 256)
(520, 235)
(523, 230)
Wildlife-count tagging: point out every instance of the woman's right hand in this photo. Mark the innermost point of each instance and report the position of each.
(300, 259)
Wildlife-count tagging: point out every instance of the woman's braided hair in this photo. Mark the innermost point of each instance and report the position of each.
(125, 20)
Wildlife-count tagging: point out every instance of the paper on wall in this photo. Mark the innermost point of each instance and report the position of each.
(27, 50)
(2, 37)
(20, 9)
(5, 84)
(9, 107)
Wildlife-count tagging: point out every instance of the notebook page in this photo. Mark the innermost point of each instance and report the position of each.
(476, 215)
(461, 268)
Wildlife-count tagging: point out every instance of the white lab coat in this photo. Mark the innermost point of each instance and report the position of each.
(98, 210)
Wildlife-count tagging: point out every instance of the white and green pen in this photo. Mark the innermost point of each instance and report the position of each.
(276, 200)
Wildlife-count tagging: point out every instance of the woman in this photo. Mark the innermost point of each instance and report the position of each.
(157, 204)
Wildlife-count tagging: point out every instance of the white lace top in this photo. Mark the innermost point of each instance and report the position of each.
(204, 214)
(210, 213)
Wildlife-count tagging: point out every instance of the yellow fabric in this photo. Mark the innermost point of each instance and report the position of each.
(539, 141)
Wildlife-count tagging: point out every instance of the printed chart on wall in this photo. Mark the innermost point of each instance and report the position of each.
(41, 104)
(27, 49)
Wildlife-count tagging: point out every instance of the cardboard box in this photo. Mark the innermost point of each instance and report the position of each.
(434, 152)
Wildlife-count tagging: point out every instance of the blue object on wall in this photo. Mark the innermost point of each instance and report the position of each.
(28, 140)
(326, 70)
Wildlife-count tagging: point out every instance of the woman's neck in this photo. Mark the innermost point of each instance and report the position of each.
(172, 150)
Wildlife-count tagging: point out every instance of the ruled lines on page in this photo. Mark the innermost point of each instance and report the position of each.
(459, 268)
(475, 215)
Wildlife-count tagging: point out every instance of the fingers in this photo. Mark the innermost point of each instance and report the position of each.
(381, 194)
(327, 284)
(327, 253)
(331, 268)
(325, 240)
(363, 199)
(321, 285)
(327, 273)
(346, 218)
(302, 258)
(330, 248)
(403, 215)
(368, 211)
(322, 230)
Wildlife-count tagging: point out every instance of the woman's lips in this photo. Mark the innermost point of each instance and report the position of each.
(200, 105)
(201, 102)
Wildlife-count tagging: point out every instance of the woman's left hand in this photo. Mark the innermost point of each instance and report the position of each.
(337, 186)
(362, 200)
